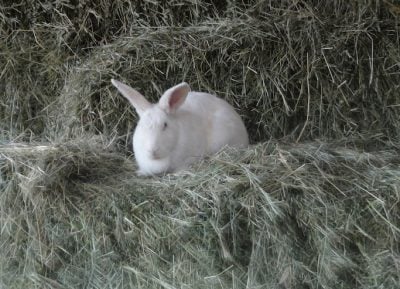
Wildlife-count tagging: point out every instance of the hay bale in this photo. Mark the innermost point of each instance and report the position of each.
(302, 69)
(276, 215)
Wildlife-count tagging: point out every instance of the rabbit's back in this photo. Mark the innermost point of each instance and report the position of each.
(224, 126)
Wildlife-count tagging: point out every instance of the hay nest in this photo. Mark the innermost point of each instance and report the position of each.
(294, 213)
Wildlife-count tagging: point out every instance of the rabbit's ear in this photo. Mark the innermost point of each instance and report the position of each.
(174, 97)
(135, 98)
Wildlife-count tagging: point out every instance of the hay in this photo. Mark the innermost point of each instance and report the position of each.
(294, 213)
(302, 69)
(298, 216)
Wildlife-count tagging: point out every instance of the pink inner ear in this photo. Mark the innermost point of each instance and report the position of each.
(175, 99)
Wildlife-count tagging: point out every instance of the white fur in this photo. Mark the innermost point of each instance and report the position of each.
(198, 124)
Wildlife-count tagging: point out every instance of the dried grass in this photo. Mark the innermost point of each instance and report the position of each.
(294, 213)
(302, 69)
(309, 215)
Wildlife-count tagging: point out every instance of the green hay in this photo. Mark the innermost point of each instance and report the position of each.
(299, 216)
(281, 214)
(302, 69)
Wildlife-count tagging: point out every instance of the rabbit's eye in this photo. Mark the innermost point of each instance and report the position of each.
(165, 126)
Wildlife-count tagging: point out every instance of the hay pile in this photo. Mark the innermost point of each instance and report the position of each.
(274, 216)
(295, 213)
(292, 68)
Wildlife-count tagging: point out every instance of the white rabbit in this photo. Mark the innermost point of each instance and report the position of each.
(181, 128)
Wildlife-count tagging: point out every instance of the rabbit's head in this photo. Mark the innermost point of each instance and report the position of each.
(157, 131)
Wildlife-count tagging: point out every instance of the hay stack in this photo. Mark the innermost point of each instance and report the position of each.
(274, 216)
(294, 213)
(302, 69)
